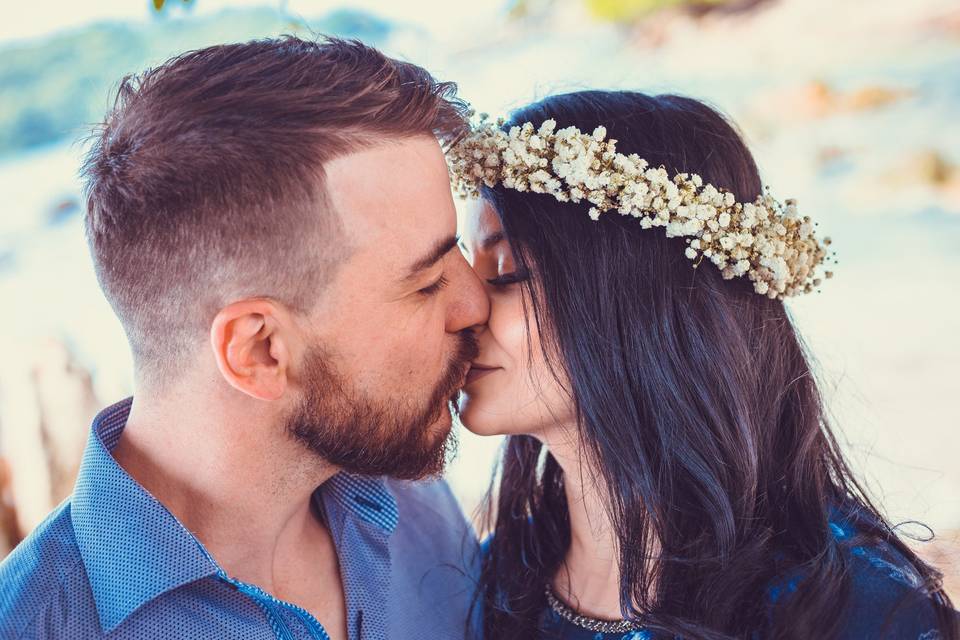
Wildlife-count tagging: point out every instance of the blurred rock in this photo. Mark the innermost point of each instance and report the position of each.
(946, 25)
(9, 531)
(926, 169)
(62, 210)
(871, 98)
(46, 406)
(943, 552)
(818, 99)
(67, 407)
(830, 155)
(930, 167)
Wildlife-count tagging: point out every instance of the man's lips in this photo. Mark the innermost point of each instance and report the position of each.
(478, 371)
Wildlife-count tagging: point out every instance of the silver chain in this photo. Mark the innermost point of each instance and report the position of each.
(590, 624)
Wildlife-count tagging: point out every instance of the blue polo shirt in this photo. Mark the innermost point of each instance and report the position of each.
(112, 561)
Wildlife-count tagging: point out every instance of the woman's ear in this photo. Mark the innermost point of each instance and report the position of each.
(251, 348)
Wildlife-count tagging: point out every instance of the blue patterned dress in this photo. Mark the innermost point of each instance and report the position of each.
(886, 601)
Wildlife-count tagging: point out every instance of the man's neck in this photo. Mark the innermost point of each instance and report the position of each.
(233, 481)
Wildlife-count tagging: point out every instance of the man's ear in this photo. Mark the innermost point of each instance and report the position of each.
(251, 348)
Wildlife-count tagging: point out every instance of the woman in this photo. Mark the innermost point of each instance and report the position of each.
(669, 470)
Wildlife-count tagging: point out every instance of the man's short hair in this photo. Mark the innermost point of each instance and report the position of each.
(205, 181)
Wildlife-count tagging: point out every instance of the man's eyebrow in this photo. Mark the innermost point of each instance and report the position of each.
(439, 250)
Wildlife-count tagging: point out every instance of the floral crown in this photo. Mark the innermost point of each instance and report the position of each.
(764, 240)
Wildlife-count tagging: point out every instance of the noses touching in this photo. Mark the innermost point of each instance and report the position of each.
(471, 307)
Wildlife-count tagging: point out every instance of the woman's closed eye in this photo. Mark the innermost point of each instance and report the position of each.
(507, 279)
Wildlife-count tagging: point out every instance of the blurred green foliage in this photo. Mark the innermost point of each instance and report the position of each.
(55, 88)
(623, 11)
(158, 4)
(628, 10)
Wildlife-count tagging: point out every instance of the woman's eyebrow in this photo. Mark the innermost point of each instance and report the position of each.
(490, 241)
(487, 243)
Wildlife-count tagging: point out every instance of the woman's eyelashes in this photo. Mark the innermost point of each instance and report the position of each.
(507, 279)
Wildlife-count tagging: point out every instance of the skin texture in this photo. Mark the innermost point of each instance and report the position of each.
(235, 447)
(523, 397)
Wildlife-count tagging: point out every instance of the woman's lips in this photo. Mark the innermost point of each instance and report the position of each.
(475, 373)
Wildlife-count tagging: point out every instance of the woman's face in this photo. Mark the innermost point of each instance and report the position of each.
(510, 389)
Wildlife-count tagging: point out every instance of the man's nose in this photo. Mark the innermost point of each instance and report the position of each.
(470, 306)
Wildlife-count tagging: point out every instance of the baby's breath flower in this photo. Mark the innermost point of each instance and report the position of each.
(764, 240)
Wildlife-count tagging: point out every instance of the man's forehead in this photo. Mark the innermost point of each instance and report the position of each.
(398, 174)
(393, 198)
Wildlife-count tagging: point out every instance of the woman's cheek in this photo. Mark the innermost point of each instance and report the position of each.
(509, 329)
(519, 397)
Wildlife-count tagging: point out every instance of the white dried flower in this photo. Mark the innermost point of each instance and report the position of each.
(764, 240)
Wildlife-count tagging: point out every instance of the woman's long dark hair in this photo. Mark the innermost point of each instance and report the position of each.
(696, 399)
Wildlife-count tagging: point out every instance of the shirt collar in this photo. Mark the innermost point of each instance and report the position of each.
(362, 515)
(134, 549)
(365, 497)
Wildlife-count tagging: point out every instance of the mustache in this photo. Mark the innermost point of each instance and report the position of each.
(469, 347)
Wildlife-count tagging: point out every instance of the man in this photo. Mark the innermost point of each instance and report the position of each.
(273, 225)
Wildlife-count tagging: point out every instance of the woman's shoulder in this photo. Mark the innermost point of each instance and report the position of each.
(888, 597)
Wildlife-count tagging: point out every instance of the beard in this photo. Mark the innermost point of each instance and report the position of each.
(369, 435)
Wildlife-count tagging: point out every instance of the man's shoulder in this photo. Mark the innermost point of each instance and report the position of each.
(428, 502)
(430, 513)
(37, 571)
(434, 561)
